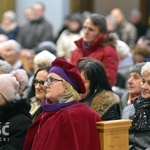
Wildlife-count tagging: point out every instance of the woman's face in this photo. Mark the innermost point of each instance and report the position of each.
(145, 86)
(40, 90)
(134, 83)
(87, 85)
(90, 31)
(55, 88)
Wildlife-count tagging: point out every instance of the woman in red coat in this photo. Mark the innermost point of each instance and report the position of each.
(65, 123)
(98, 44)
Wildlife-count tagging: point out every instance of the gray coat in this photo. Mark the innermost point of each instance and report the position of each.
(35, 32)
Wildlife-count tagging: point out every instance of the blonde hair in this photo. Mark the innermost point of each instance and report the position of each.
(145, 69)
(71, 94)
(40, 63)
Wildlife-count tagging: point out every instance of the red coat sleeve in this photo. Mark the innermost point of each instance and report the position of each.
(111, 62)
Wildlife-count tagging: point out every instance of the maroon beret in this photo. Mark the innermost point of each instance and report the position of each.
(68, 72)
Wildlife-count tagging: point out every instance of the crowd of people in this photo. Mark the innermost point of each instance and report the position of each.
(53, 90)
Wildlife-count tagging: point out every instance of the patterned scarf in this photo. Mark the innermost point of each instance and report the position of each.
(141, 118)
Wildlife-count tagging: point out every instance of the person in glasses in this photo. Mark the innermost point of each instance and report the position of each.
(43, 58)
(38, 91)
(65, 123)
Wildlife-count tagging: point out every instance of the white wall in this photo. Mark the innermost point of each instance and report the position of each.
(55, 11)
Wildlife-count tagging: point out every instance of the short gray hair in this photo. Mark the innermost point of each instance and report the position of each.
(5, 67)
(10, 14)
(15, 45)
(145, 69)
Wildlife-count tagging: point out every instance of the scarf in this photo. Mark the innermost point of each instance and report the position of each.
(141, 117)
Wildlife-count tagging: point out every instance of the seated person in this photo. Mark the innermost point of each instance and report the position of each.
(141, 53)
(10, 50)
(99, 95)
(140, 129)
(9, 25)
(64, 122)
(38, 91)
(14, 114)
(134, 89)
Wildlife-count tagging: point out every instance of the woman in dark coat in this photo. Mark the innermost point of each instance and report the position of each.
(14, 114)
(99, 95)
(9, 26)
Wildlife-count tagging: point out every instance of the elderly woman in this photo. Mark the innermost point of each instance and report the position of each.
(140, 129)
(9, 26)
(65, 123)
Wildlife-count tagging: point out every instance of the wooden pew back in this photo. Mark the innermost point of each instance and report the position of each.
(114, 135)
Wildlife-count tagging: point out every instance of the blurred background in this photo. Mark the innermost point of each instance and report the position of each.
(56, 10)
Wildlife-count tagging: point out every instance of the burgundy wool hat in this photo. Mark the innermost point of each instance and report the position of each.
(68, 72)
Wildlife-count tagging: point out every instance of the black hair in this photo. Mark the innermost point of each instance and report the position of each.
(95, 73)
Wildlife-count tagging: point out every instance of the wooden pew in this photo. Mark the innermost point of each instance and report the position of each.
(114, 135)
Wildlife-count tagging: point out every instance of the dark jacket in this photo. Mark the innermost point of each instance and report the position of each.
(15, 121)
(106, 103)
(35, 32)
(102, 49)
(12, 34)
(140, 129)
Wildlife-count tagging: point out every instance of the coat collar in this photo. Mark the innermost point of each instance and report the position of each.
(56, 106)
(103, 40)
(103, 101)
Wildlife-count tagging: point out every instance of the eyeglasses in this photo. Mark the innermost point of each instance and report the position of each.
(50, 80)
(36, 82)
